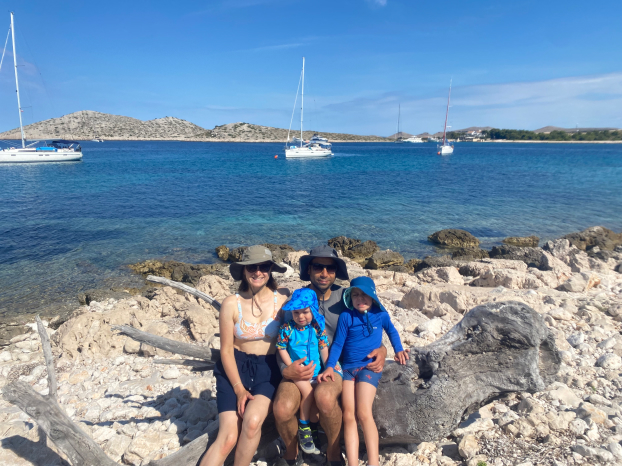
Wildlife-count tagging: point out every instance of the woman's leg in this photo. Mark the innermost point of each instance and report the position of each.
(350, 428)
(365, 393)
(306, 392)
(229, 425)
(254, 415)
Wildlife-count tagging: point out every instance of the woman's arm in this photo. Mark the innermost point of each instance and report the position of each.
(226, 324)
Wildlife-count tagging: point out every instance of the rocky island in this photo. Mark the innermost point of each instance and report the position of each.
(516, 359)
(87, 124)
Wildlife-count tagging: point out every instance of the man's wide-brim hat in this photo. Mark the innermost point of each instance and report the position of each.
(254, 255)
(323, 251)
(367, 286)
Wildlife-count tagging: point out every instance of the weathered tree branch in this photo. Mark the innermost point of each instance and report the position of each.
(186, 288)
(172, 346)
(197, 364)
(48, 356)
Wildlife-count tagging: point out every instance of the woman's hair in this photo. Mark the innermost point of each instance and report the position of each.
(272, 284)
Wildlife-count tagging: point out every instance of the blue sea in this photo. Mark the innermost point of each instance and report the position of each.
(68, 227)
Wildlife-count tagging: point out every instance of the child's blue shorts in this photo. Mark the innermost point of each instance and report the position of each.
(362, 374)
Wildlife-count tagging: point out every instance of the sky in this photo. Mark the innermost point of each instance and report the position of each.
(522, 64)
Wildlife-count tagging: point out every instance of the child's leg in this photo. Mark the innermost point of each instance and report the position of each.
(306, 392)
(365, 393)
(350, 428)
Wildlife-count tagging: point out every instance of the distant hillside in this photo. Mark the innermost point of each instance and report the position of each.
(549, 129)
(86, 125)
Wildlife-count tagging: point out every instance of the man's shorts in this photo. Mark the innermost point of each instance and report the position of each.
(260, 375)
(362, 374)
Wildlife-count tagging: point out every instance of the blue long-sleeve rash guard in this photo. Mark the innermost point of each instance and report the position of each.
(353, 339)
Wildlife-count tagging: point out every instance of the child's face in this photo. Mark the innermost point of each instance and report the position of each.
(302, 316)
(360, 300)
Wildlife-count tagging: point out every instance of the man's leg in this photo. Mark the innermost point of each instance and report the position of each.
(327, 400)
(285, 407)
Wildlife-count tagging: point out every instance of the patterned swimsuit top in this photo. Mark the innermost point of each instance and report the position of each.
(251, 331)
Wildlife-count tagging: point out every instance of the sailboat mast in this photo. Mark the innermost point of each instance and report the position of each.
(302, 99)
(19, 105)
(446, 114)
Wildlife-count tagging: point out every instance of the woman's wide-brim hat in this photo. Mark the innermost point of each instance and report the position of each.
(254, 255)
(323, 251)
(367, 286)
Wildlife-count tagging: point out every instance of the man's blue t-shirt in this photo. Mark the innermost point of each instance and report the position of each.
(354, 340)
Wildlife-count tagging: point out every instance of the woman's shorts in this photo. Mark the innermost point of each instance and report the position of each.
(260, 375)
(362, 374)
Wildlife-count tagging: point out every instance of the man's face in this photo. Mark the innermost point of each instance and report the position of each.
(322, 271)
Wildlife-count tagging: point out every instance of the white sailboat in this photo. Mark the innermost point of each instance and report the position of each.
(414, 139)
(316, 147)
(57, 151)
(445, 148)
(398, 136)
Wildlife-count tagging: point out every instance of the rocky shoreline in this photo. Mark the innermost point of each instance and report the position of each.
(138, 411)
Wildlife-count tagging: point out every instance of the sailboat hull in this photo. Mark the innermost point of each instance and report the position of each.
(34, 156)
(307, 152)
(446, 150)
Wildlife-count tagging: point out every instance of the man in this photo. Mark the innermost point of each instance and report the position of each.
(321, 267)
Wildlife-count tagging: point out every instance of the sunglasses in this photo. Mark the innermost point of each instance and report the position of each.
(329, 268)
(265, 268)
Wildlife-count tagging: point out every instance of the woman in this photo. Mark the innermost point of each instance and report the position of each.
(247, 374)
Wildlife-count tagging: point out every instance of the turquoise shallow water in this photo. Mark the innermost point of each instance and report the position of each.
(68, 227)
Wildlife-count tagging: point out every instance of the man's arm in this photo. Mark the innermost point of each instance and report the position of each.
(379, 355)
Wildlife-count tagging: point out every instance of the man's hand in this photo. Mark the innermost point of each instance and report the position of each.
(327, 374)
(378, 355)
(298, 371)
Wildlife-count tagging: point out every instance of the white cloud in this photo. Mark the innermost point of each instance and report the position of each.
(589, 101)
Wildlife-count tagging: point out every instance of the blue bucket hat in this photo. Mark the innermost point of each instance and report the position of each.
(367, 286)
(303, 298)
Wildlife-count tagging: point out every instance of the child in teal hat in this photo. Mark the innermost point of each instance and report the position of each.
(359, 332)
(304, 337)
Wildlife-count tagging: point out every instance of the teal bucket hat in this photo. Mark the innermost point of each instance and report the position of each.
(367, 286)
(304, 298)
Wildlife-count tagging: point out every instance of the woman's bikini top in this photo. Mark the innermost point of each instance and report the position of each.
(250, 331)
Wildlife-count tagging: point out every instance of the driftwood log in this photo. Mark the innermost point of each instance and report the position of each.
(496, 348)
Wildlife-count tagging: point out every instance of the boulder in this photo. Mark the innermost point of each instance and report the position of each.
(202, 324)
(216, 287)
(384, 259)
(279, 251)
(439, 275)
(530, 256)
(470, 254)
(361, 252)
(178, 271)
(507, 278)
(522, 241)
(412, 264)
(222, 252)
(343, 243)
(454, 238)
(496, 348)
(580, 282)
(595, 236)
(436, 261)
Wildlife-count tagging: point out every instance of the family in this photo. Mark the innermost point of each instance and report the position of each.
(314, 357)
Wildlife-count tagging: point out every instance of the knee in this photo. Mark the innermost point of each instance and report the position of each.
(364, 414)
(228, 442)
(283, 410)
(252, 425)
(348, 415)
(326, 402)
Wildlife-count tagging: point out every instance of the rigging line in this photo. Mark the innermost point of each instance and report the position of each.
(294, 110)
(5, 42)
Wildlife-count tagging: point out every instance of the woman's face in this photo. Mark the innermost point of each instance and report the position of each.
(257, 275)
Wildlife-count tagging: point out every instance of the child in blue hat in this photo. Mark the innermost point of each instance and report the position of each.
(359, 332)
(304, 337)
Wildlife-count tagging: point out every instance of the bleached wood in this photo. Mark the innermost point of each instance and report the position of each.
(186, 288)
(186, 362)
(48, 356)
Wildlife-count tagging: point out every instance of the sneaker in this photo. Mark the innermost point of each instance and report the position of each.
(305, 439)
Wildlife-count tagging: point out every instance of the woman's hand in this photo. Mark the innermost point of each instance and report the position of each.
(243, 397)
(401, 357)
(327, 374)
